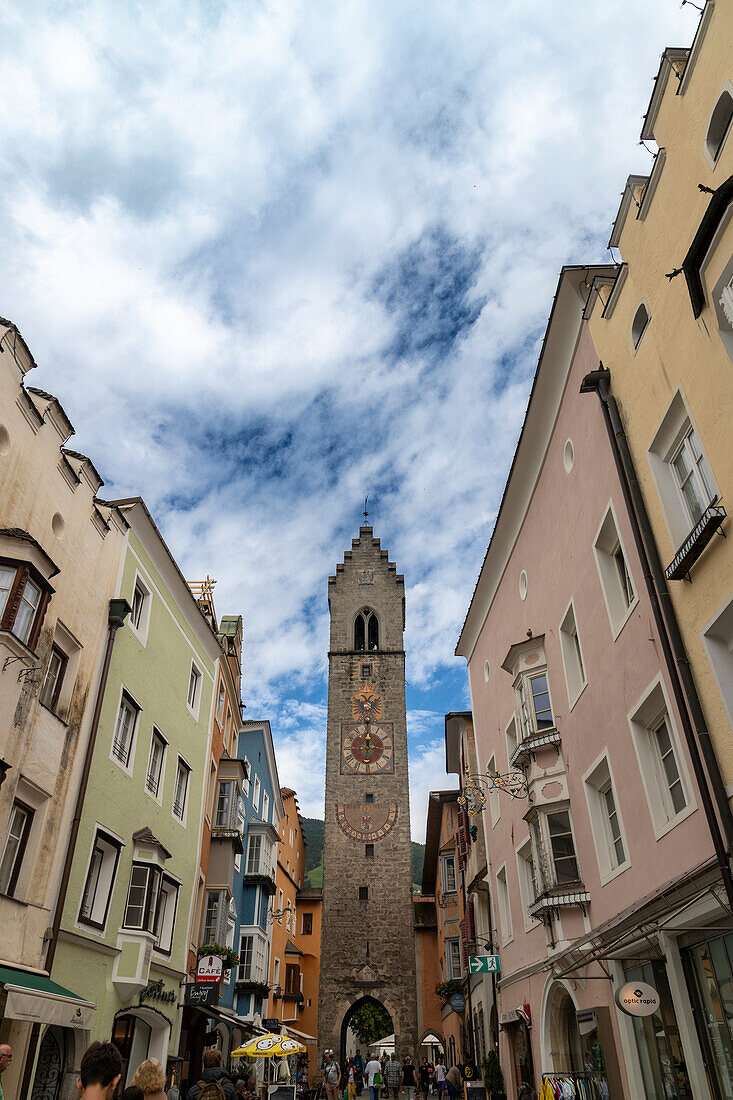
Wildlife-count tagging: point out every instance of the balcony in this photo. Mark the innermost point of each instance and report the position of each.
(259, 874)
(226, 832)
(701, 534)
(530, 745)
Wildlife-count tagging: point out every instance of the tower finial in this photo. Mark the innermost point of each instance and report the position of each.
(365, 513)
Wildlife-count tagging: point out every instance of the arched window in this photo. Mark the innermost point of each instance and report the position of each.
(638, 325)
(366, 631)
(719, 125)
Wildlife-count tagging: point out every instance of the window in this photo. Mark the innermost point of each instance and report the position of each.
(562, 847)
(100, 880)
(24, 595)
(215, 917)
(194, 689)
(510, 734)
(142, 897)
(253, 855)
(276, 973)
(505, 915)
(453, 959)
(21, 819)
(369, 851)
(124, 735)
(663, 769)
(528, 887)
(535, 708)
(226, 805)
(140, 614)
(613, 569)
(719, 125)
(681, 471)
(448, 874)
(253, 958)
(180, 792)
(307, 924)
(220, 704)
(280, 905)
(363, 893)
(366, 631)
(265, 806)
(256, 795)
(572, 656)
(718, 640)
(606, 824)
(154, 776)
(166, 914)
(639, 323)
(494, 806)
(366, 671)
(55, 673)
(292, 978)
(369, 798)
(692, 476)
(291, 838)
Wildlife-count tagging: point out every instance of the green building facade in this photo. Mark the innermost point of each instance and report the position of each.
(132, 906)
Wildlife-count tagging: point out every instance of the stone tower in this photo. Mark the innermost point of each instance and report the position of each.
(368, 941)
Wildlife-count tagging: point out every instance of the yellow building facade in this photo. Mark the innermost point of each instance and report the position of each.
(664, 330)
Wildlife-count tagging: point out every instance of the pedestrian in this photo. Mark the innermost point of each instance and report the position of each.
(350, 1080)
(149, 1076)
(173, 1093)
(373, 1071)
(440, 1074)
(385, 1087)
(214, 1083)
(394, 1076)
(453, 1081)
(359, 1071)
(424, 1079)
(240, 1087)
(99, 1072)
(331, 1077)
(6, 1057)
(409, 1080)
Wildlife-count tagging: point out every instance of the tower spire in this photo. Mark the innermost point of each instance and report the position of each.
(365, 513)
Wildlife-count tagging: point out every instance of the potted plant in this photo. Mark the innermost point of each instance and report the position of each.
(493, 1077)
(230, 958)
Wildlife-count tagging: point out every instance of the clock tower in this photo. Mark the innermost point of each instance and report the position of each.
(367, 940)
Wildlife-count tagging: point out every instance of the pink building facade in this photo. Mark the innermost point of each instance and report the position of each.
(600, 873)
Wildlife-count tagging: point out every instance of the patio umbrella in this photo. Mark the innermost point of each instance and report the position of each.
(270, 1046)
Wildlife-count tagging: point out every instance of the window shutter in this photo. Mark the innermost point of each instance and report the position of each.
(462, 841)
(464, 945)
(470, 921)
(221, 919)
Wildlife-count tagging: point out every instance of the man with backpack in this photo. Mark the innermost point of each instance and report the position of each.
(331, 1077)
(215, 1083)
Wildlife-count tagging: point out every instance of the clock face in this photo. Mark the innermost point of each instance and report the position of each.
(366, 823)
(367, 748)
(366, 705)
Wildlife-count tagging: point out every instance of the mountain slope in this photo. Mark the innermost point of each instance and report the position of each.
(313, 828)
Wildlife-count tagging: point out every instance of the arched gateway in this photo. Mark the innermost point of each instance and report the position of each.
(368, 940)
(346, 1023)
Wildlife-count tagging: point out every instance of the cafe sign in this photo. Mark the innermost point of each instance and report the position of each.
(637, 999)
(209, 968)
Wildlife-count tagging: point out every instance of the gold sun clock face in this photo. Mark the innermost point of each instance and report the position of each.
(367, 748)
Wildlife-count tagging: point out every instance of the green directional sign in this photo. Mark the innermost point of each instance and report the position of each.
(484, 964)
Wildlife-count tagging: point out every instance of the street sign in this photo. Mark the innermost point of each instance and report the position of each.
(457, 1002)
(484, 964)
(196, 994)
(209, 968)
(637, 999)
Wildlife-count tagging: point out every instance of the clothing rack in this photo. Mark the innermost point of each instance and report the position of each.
(574, 1086)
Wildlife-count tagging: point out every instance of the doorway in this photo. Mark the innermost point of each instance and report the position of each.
(366, 1022)
(50, 1066)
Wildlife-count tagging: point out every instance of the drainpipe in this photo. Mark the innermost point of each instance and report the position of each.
(118, 612)
(707, 774)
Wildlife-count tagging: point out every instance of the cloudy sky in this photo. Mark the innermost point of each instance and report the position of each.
(272, 256)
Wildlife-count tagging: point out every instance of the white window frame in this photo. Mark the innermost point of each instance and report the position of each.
(265, 807)
(636, 339)
(523, 692)
(259, 960)
(165, 917)
(699, 475)
(141, 629)
(256, 795)
(220, 703)
(649, 708)
(673, 427)
(596, 781)
(606, 544)
(529, 890)
(152, 890)
(453, 943)
(22, 838)
(156, 795)
(181, 818)
(107, 877)
(444, 860)
(573, 661)
(544, 860)
(717, 638)
(504, 905)
(511, 738)
(195, 706)
(126, 766)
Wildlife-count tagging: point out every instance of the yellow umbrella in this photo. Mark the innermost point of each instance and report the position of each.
(268, 1046)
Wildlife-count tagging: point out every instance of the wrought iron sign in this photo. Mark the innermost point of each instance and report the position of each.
(476, 787)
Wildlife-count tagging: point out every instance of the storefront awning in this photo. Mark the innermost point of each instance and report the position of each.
(302, 1035)
(35, 998)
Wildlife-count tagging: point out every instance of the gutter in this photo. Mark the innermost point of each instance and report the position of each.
(702, 754)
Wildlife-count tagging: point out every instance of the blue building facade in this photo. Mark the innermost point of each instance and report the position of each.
(249, 917)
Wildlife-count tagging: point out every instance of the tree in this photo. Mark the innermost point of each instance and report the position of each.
(371, 1022)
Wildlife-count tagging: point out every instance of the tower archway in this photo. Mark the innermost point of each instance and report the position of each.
(363, 1045)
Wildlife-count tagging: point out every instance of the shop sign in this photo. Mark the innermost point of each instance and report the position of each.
(637, 999)
(196, 993)
(511, 1016)
(271, 1024)
(209, 968)
(155, 991)
(457, 1002)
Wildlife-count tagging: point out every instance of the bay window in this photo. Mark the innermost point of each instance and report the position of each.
(142, 897)
(533, 702)
(24, 595)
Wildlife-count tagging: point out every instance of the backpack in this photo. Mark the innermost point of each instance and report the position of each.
(211, 1090)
